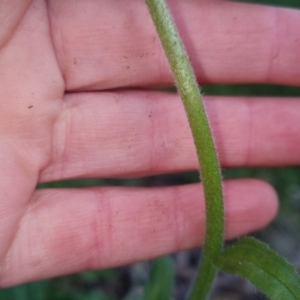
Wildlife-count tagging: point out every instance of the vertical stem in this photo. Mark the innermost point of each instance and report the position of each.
(210, 171)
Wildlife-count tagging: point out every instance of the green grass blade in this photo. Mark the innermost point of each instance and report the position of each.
(263, 267)
(161, 281)
(30, 291)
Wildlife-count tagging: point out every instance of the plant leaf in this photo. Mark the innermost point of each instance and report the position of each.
(263, 267)
(161, 280)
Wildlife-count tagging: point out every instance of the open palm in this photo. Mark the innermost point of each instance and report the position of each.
(77, 101)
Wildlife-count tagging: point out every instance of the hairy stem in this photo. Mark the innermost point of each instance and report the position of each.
(208, 161)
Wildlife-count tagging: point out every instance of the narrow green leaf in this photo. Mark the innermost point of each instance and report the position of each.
(161, 281)
(263, 267)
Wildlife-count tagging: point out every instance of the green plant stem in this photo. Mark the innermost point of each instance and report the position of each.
(210, 171)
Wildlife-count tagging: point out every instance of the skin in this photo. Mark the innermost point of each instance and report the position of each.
(77, 101)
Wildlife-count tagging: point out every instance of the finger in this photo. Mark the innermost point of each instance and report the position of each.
(141, 133)
(68, 231)
(11, 14)
(17, 184)
(114, 44)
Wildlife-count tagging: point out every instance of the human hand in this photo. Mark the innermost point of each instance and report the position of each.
(65, 113)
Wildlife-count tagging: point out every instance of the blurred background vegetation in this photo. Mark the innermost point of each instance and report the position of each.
(128, 283)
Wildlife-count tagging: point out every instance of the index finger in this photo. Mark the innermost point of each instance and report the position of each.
(110, 44)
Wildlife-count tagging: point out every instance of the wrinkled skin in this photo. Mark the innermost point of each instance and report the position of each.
(72, 106)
